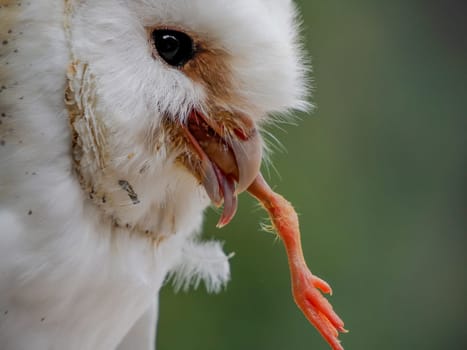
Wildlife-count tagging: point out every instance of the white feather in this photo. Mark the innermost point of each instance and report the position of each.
(68, 278)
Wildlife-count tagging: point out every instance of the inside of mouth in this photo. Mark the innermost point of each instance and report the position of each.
(214, 146)
(222, 160)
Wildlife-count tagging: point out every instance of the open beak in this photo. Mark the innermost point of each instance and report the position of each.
(230, 157)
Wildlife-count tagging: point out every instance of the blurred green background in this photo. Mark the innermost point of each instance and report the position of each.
(378, 175)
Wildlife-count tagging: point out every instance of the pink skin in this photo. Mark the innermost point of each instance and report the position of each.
(305, 286)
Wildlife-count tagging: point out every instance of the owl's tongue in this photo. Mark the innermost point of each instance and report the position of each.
(230, 162)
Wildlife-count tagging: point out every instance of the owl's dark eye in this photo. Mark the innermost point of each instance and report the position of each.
(174, 47)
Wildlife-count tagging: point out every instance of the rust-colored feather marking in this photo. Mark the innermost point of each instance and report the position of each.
(211, 67)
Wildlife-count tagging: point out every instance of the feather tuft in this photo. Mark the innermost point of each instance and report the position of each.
(202, 262)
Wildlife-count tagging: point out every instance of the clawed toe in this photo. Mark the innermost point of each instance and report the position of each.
(317, 308)
(321, 284)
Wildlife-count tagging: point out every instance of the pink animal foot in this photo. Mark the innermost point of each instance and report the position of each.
(316, 308)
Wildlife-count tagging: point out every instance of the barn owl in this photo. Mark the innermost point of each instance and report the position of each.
(121, 121)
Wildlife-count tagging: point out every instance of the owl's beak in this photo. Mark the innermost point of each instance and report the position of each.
(230, 155)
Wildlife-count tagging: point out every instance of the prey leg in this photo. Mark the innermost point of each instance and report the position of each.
(306, 287)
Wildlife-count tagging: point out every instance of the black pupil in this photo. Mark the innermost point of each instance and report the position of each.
(174, 47)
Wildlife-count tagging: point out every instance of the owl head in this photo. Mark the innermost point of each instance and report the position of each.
(167, 98)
